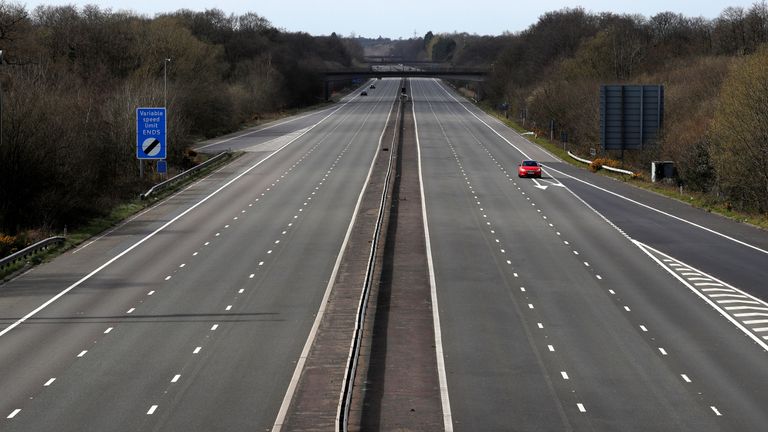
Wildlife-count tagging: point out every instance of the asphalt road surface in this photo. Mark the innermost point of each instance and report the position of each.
(574, 302)
(577, 302)
(192, 315)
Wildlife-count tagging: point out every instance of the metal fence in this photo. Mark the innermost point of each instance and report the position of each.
(29, 251)
(160, 186)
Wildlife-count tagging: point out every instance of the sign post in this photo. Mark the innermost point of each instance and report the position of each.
(162, 167)
(150, 133)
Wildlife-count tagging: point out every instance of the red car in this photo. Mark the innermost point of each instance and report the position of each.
(529, 168)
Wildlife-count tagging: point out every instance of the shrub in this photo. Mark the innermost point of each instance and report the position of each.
(7, 245)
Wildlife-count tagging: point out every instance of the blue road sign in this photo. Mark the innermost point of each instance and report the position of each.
(150, 133)
(162, 167)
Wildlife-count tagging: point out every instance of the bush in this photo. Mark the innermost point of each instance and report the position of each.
(7, 245)
(600, 162)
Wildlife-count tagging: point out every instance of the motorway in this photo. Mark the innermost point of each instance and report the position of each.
(574, 302)
(192, 315)
(563, 305)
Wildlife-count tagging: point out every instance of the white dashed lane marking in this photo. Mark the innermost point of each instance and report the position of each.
(679, 268)
(487, 217)
(14, 413)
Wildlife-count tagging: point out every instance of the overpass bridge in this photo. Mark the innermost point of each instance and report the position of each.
(402, 71)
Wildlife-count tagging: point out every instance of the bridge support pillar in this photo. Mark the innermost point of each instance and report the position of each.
(327, 90)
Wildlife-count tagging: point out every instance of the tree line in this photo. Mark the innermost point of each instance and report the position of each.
(715, 74)
(72, 78)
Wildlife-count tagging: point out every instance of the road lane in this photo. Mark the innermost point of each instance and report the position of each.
(551, 318)
(551, 300)
(223, 298)
(671, 226)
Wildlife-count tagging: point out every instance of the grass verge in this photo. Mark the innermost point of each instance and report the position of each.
(695, 199)
(124, 210)
(96, 226)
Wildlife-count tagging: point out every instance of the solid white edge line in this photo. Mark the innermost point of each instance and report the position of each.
(606, 190)
(164, 226)
(446, 403)
(262, 129)
(721, 311)
(281, 414)
(148, 209)
(290, 120)
(678, 218)
(646, 249)
(640, 245)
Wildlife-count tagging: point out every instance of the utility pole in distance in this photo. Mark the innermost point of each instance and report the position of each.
(165, 82)
(165, 93)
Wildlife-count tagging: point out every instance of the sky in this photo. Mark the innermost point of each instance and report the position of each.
(404, 18)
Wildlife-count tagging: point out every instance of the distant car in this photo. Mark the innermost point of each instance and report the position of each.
(364, 93)
(529, 168)
(372, 86)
